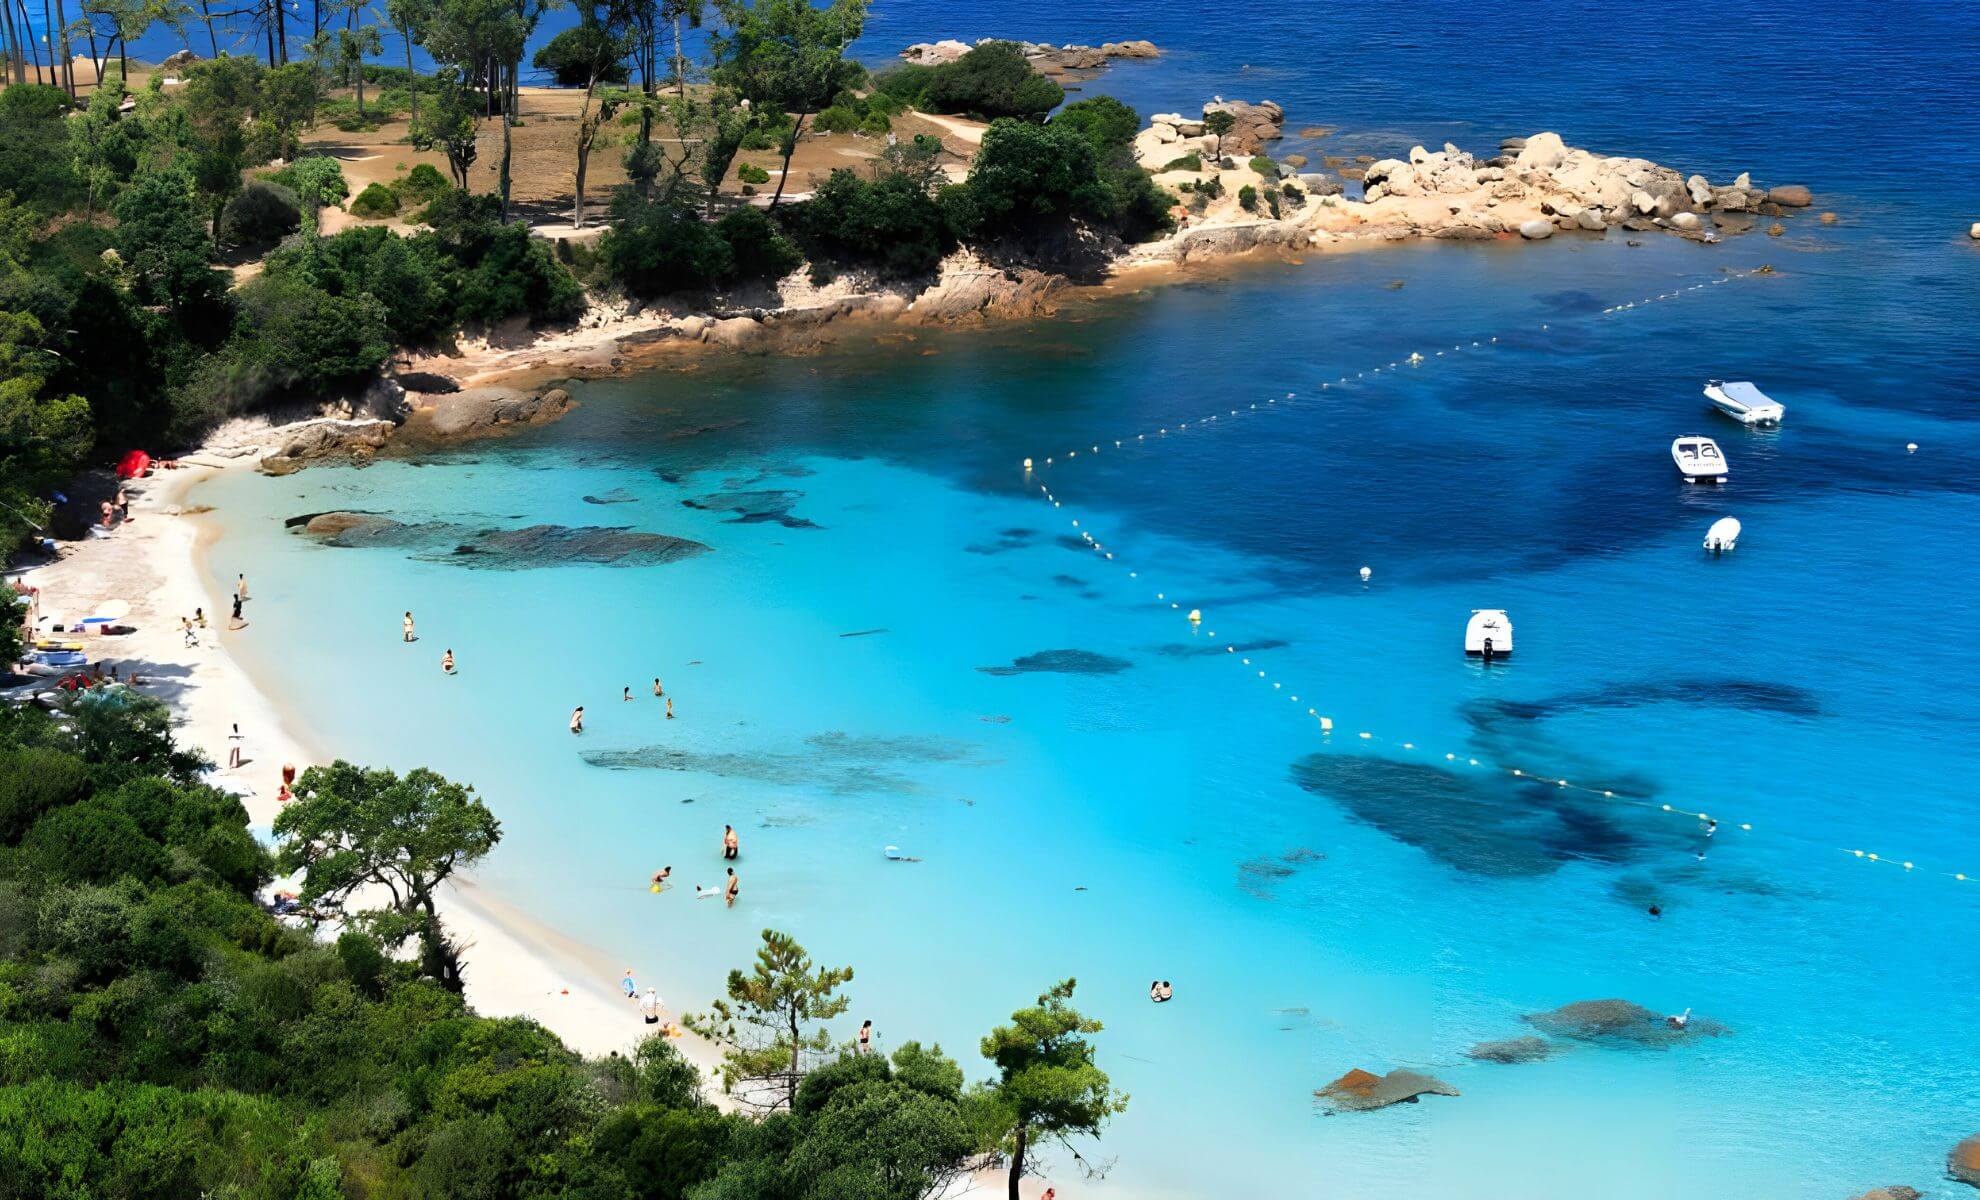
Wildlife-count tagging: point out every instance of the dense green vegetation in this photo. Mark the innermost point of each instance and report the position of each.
(992, 80)
(125, 219)
(163, 1034)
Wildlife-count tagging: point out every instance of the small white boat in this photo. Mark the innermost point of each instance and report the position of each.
(1488, 634)
(1744, 403)
(1723, 535)
(1699, 459)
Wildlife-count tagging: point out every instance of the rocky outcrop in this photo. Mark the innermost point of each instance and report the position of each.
(309, 441)
(178, 63)
(1963, 1163)
(1620, 1023)
(972, 291)
(1365, 1091)
(1170, 136)
(481, 411)
(1044, 57)
(1896, 1191)
(1512, 1050)
(498, 549)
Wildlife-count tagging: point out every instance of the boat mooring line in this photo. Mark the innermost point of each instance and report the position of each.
(1194, 617)
(1416, 359)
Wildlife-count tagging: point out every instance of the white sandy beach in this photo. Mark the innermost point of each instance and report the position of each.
(516, 966)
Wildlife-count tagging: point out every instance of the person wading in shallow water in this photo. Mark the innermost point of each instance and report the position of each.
(731, 844)
(577, 719)
(733, 889)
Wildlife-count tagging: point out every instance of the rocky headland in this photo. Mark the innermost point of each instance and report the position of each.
(1045, 58)
(1233, 199)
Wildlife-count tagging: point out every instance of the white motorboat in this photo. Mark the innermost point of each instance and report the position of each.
(1744, 403)
(1699, 459)
(1488, 634)
(1723, 535)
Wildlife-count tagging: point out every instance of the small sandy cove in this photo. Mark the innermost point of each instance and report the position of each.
(155, 563)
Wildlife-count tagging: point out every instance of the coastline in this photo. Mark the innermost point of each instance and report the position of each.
(160, 563)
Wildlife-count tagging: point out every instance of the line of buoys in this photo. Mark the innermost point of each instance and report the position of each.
(1907, 864)
(1415, 359)
(1326, 721)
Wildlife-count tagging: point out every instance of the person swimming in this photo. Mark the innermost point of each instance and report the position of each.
(1155, 990)
(1679, 1020)
(1168, 991)
(447, 662)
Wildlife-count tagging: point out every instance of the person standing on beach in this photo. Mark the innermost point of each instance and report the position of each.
(191, 634)
(577, 719)
(447, 662)
(234, 751)
(240, 587)
(406, 627)
(632, 989)
(731, 844)
(236, 622)
(650, 1006)
(199, 617)
(733, 889)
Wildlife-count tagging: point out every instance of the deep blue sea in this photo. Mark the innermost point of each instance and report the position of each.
(1120, 798)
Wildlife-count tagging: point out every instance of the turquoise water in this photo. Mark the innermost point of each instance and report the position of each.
(1320, 902)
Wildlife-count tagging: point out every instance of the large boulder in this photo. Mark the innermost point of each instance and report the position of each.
(1536, 230)
(1700, 189)
(178, 63)
(1541, 152)
(1315, 184)
(1792, 195)
(1896, 1191)
(1256, 124)
(1364, 1091)
(1963, 1163)
(935, 54)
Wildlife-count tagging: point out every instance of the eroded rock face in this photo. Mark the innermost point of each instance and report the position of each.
(1963, 1163)
(1365, 1091)
(1256, 125)
(1043, 56)
(299, 445)
(1620, 1023)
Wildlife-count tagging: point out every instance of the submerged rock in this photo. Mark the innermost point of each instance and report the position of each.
(501, 549)
(1963, 1163)
(1062, 662)
(1365, 1091)
(1792, 195)
(1513, 1050)
(1619, 1022)
(1895, 1191)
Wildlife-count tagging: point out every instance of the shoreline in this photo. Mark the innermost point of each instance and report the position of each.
(160, 563)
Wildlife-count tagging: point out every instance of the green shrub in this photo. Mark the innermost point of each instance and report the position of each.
(751, 173)
(890, 223)
(769, 134)
(1248, 198)
(836, 119)
(1102, 120)
(657, 248)
(421, 185)
(876, 124)
(758, 250)
(317, 176)
(1265, 166)
(375, 201)
(259, 215)
(1026, 178)
(993, 80)
(1293, 193)
(1188, 162)
(518, 275)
